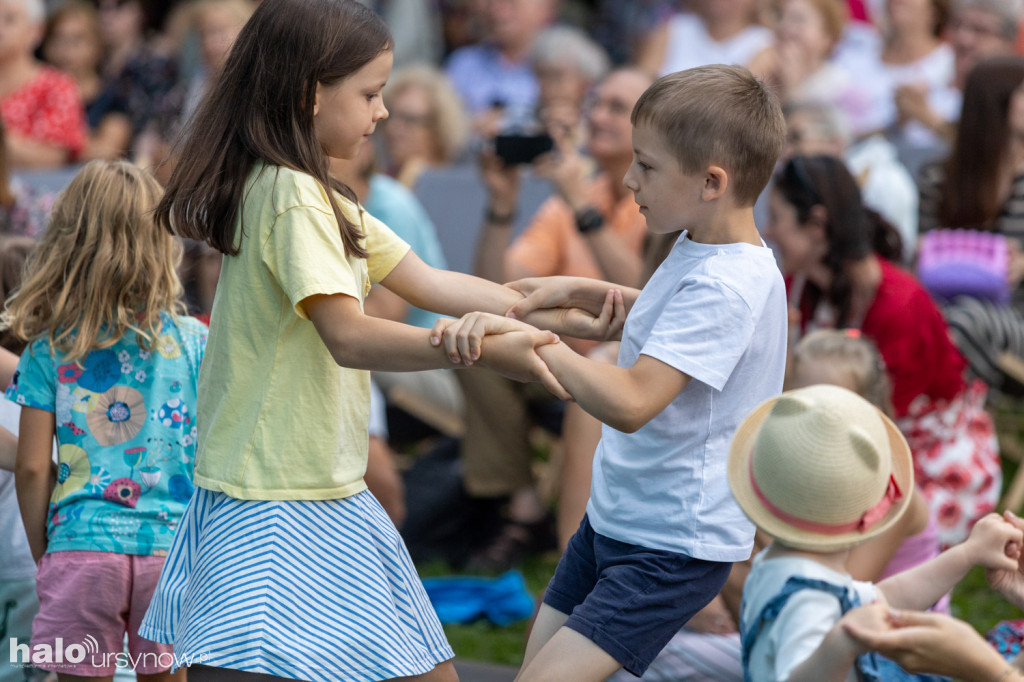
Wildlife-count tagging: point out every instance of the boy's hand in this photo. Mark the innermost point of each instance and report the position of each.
(514, 355)
(994, 543)
(1010, 582)
(463, 338)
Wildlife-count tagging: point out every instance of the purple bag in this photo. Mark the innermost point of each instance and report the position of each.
(953, 263)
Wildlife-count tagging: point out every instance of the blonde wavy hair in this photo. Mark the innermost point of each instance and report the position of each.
(102, 268)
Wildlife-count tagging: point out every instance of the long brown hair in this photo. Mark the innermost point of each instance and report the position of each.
(971, 188)
(102, 268)
(261, 108)
(852, 229)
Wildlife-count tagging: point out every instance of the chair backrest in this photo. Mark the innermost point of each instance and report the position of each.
(455, 198)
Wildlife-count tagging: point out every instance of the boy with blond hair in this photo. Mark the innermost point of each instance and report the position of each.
(703, 343)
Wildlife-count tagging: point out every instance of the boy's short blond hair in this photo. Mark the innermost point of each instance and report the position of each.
(720, 115)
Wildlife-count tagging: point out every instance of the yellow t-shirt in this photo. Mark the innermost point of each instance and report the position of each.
(278, 418)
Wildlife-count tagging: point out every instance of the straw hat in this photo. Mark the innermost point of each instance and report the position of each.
(820, 469)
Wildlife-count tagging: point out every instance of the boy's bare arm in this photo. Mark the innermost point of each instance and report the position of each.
(622, 398)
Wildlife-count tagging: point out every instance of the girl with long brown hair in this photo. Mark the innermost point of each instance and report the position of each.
(285, 564)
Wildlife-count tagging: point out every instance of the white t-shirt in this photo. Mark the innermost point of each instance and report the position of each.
(15, 556)
(718, 314)
(803, 622)
(689, 45)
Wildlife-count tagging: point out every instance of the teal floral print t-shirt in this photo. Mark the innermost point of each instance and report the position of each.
(126, 437)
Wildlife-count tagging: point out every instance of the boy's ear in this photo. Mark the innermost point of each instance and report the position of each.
(716, 182)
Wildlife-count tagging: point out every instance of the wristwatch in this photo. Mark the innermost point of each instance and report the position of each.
(589, 220)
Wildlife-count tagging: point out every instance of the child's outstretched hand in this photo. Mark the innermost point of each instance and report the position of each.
(1010, 582)
(575, 306)
(513, 354)
(463, 338)
(994, 543)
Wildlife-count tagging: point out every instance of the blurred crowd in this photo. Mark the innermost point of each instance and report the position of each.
(905, 155)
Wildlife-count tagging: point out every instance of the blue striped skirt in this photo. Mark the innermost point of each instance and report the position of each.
(306, 590)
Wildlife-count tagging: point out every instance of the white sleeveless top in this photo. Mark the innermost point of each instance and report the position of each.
(689, 45)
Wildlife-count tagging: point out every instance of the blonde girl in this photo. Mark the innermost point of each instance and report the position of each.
(284, 564)
(111, 370)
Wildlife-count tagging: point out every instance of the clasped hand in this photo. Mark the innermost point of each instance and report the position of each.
(510, 347)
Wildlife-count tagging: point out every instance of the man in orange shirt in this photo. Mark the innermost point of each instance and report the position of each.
(591, 228)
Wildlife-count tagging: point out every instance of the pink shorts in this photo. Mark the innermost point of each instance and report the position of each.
(87, 600)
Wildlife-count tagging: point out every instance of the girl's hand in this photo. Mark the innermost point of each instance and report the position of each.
(930, 643)
(1010, 582)
(514, 355)
(579, 323)
(463, 338)
(994, 543)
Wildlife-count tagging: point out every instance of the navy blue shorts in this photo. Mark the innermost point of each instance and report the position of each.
(628, 599)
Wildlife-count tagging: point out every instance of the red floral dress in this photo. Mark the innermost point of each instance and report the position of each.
(48, 109)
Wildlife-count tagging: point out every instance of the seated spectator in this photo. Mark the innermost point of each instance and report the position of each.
(592, 228)
(981, 187)
(914, 59)
(494, 77)
(710, 32)
(72, 43)
(399, 209)
(621, 28)
(839, 256)
(426, 125)
(217, 24)
(41, 107)
(567, 64)
(135, 71)
(816, 127)
(799, 66)
(24, 210)
(977, 30)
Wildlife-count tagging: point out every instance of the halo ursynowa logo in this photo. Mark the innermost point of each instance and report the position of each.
(88, 653)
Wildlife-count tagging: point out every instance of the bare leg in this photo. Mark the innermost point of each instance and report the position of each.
(568, 655)
(545, 625)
